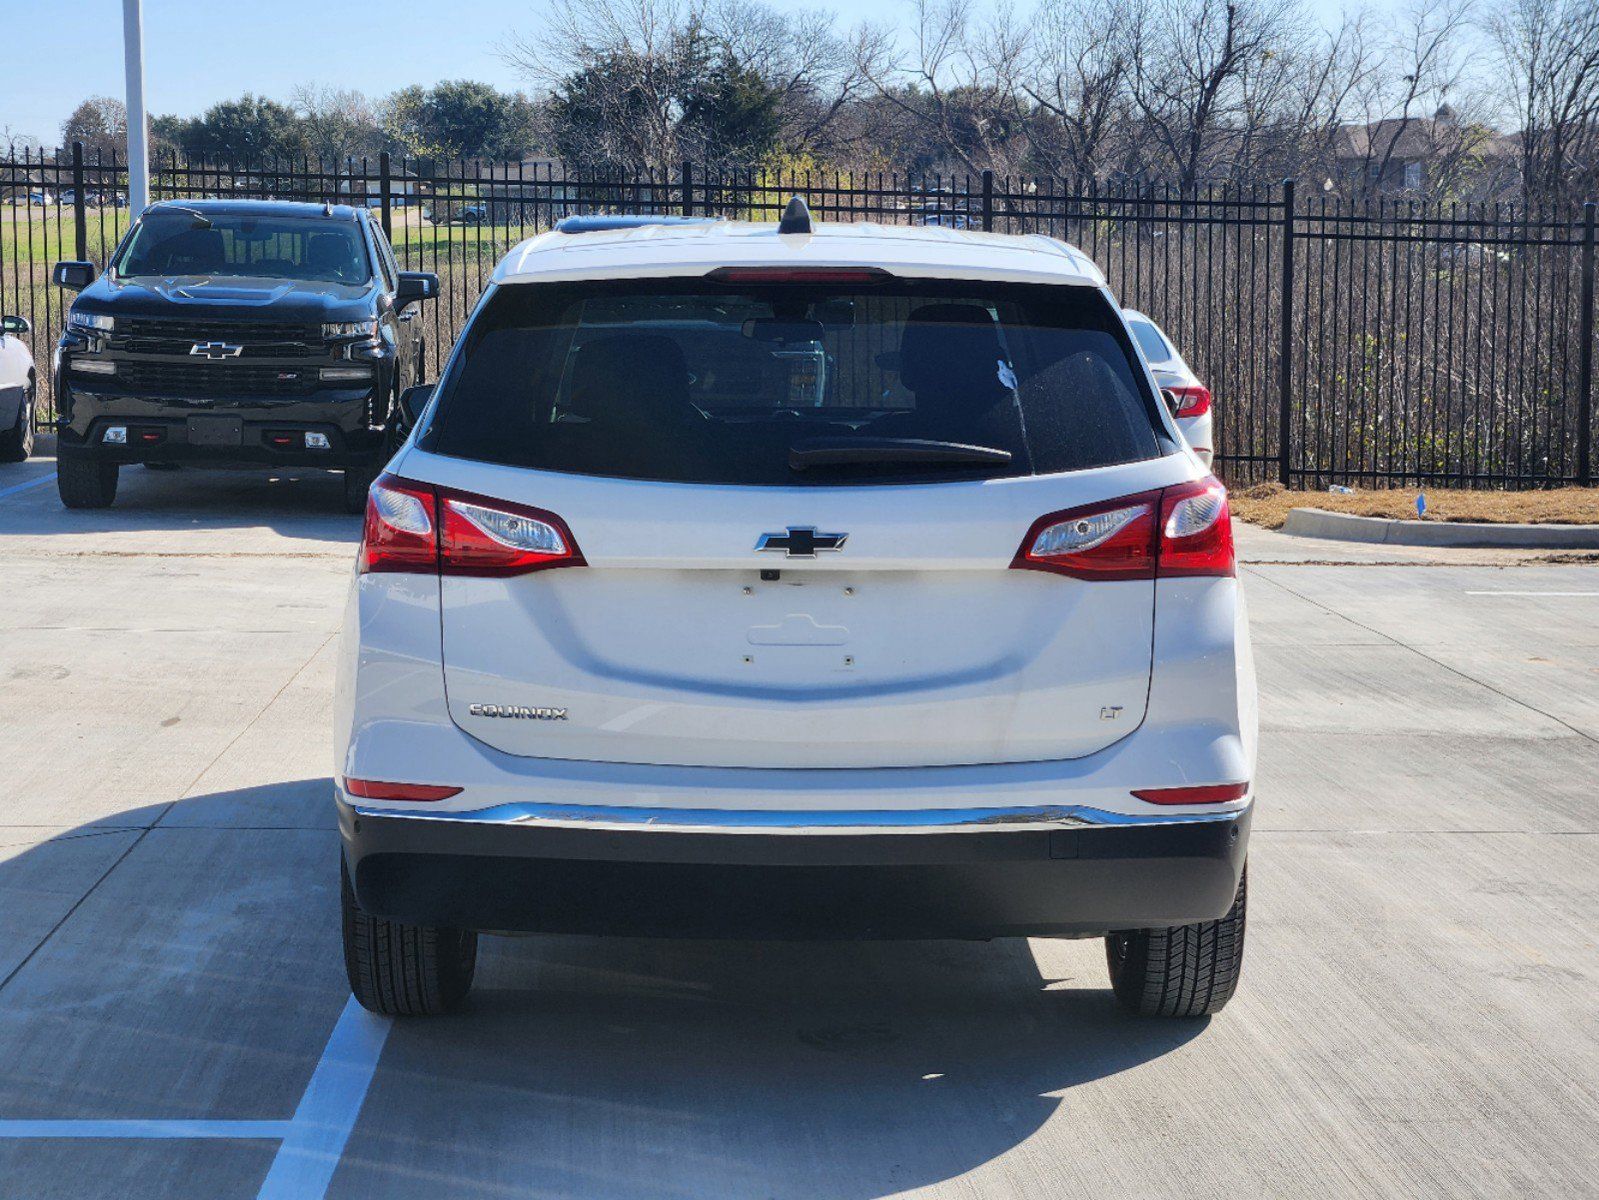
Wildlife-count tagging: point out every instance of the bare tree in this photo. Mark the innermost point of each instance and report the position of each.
(1078, 72)
(1551, 52)
(339, 123)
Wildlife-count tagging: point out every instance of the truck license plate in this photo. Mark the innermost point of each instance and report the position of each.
(216, 431)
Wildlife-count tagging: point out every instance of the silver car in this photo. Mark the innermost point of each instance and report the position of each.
(1188, 398)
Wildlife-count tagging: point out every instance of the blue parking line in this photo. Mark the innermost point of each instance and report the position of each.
(22, 487)
(310, 1151)
(144, 1129)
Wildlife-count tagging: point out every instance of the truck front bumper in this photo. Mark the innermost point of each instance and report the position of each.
(975, 873)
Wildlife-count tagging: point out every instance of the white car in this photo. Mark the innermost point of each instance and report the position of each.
(19, 386)
(1186, 396)
(750, 581)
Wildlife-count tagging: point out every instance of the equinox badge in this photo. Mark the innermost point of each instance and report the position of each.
(517, 712)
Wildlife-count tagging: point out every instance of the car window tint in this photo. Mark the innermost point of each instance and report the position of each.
(692, 381)
(1151, 341)
(171, 242)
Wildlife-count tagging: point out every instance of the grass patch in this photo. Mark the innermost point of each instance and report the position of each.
(1268, 504)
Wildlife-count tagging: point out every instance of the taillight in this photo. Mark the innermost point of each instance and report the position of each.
(371, 789)
(1102, 541)
(1181, 531)
(1191, 401)
(418, 528)
(1211, 793)
(1196, 530)
(480, 536)
(813, 275)
(400, 527)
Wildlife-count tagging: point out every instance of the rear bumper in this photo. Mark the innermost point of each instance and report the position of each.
(1057, 872)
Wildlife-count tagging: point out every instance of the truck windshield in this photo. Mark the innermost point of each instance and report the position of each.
(180, 242)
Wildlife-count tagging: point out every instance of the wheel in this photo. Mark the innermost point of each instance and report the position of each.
(404, 970)
(16, 443)
(356, 482)
(1189, 971)
(84, 483)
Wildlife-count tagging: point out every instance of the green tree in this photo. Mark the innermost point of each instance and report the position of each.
(100, 123)
(244, 130)
(460, 118)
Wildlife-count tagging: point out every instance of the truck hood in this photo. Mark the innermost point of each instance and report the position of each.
(232, 296)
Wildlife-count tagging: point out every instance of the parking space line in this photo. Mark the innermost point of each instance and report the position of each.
(22, 487)
(144, 1129)
(1532, 593)
(314, 1143)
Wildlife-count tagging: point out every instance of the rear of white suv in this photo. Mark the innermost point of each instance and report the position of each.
(843, 584)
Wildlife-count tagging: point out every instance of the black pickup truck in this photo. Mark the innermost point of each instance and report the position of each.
(237, 331)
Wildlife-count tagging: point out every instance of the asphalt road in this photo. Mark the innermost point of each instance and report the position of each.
(1419, 1014)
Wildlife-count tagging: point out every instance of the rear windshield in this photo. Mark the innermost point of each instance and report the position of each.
(174, 242)
(786, 384)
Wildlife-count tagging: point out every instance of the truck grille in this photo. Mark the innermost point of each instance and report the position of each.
(179, 335)
(215, 379)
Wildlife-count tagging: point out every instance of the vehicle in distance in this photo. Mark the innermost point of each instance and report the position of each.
(1188, 398)
(19, 388)
(846, 581)
(237, 331)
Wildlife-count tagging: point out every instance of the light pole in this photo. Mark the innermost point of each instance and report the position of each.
(138, 134)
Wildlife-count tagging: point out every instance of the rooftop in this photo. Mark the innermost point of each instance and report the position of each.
(262, 208)
(695, 249)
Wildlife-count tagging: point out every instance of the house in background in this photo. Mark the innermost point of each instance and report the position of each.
(1421, 157)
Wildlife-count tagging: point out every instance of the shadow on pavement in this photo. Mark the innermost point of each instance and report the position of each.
(580, 1067)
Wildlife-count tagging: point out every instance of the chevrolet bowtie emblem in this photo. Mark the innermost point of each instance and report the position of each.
(216, 350)
(801, 541)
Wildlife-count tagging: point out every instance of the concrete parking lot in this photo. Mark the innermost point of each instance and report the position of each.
(1419, 1014)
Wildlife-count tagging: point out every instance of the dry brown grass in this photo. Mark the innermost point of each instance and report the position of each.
(1267, 504)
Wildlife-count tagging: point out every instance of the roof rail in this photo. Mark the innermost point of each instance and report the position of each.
(599, 222)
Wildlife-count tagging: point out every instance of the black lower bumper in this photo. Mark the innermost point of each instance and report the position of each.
(254, 441)
(658, 883)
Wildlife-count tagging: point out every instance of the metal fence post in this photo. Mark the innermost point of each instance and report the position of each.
(988, 202)
(688, 189)
(1285, 377)
(80, 214)
(1585, 352)
(383, 183)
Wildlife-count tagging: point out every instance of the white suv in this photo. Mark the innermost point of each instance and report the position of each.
(751, 581)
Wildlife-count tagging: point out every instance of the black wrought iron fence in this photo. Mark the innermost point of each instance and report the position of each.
(1344, 342)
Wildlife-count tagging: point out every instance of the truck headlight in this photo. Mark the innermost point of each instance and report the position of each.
(349, 329)
(84, 322)
(94, 366)
(344, 374)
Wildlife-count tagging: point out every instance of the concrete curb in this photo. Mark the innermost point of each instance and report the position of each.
(1345, 527)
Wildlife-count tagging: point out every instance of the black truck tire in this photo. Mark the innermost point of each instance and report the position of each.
(356, 482)
(84, 483)
(1188, 971)
(402, 970)
(16, 443)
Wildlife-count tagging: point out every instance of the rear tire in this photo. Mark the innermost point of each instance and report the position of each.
(1188, 971)
(402, 970)
(84, 483)
(16, 443)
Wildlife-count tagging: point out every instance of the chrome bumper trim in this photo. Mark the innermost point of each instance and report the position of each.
(799, 821)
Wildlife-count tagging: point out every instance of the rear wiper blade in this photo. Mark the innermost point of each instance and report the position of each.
(840, 451)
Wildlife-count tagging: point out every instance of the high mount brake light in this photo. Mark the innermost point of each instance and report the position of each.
(1191, 401)
(1215, 793)
(421, 529)
(1180, 531)
(798, 275)
(370, 789)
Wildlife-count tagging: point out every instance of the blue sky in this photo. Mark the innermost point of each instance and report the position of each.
(53, 53)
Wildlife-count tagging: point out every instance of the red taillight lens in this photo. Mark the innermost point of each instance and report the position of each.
(1102, 541)
(485, 537)
(1183, 530)
(1216, 793)
(401, 520)
(1191, 401)
(1196, 530)
(418, 528)
(371, 789)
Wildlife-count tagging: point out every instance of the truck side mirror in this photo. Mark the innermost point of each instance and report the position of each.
(1172, 399)
(15, 325)
(414, 286)
(413, 401)
(74, 275)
